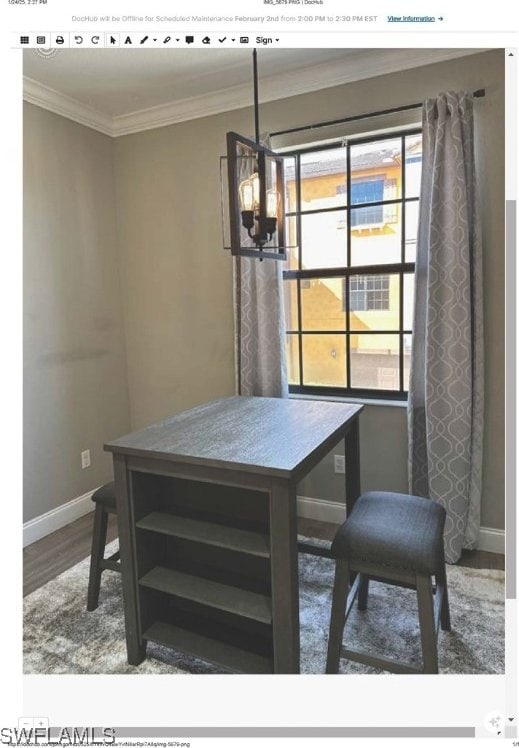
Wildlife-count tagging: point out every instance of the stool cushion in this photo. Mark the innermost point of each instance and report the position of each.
(105, 495)
(393, 530)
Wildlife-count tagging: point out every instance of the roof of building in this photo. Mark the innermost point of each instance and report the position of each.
(322, 163)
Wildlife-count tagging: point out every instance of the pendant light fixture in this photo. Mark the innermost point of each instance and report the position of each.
(252, 193)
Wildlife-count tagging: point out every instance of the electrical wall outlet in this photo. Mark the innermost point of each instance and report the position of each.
(339, 463)
(85, 459)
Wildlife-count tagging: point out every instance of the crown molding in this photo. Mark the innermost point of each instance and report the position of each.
(43, 96)
(363, 64)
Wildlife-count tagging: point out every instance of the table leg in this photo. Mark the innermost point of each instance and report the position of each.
(352, 464)
(284, 577)
(352, 460)
(135, 647)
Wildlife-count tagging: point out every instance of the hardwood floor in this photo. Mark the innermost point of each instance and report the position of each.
(50, 556)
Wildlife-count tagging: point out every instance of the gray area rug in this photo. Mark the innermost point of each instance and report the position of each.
(61, 637)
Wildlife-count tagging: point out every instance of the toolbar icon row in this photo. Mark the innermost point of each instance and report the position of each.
(65, 39)
(124, 39)
(131, 40)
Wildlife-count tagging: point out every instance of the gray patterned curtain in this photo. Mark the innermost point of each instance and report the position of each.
(445, 411)
(259, 326)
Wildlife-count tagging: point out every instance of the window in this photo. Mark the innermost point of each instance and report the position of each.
(367, 191)
(368, 292)
(353, 214)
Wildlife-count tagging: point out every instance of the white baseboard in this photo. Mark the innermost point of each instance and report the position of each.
(320, 509)
(490, 538)
(39, 527)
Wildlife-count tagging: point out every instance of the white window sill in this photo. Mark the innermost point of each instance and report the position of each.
(353, 400)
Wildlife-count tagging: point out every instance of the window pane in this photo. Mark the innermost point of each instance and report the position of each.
(375, 361)
(376, 172)
(408, 301)
(367, 190)
(413, 165)
(322, 304)
(292, 261)
(367, 217)
(407, 359)
(324, 360)
(375, 302)
(411, 230)
(293, 359)
(323, 238)
(323, 179)
(376, 235)
(291, 319)
(289, 164)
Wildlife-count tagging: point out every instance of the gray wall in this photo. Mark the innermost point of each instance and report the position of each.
(383, 457)
(177, 283)
(176, 280)
(75, 391)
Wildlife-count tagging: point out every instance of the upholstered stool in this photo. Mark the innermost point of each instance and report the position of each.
(397, 539)
(104, 499)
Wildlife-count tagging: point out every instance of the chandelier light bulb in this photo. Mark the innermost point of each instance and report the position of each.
(255, 180)
(247, 194)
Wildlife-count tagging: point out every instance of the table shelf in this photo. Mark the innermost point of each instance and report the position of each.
(210, 533)
(208, 522)
(209, 593)
(219, 653)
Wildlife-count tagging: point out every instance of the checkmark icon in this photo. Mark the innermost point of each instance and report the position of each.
(222, 40)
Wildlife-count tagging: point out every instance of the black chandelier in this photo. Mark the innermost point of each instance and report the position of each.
(252, 194)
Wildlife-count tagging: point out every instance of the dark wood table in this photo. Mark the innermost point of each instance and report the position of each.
(206, 507)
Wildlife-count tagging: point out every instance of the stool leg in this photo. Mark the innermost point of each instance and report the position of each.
(337, 618)
(362, 598)
(98, 550)
(441, 581)
(427, 626)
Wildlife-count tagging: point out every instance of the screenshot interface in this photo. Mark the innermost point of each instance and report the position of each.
(260, 317)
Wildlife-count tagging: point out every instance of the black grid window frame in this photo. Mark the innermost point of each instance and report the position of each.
(401, 269)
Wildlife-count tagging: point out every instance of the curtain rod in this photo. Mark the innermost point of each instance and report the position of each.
(479, 94)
